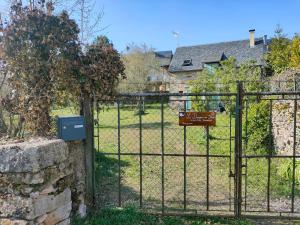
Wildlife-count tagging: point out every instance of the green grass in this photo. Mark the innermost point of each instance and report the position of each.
(220, 184)
(131, 216)
(151, 143)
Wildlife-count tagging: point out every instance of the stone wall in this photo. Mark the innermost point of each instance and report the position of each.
(283, 127)
(38, 181)
(77, 159)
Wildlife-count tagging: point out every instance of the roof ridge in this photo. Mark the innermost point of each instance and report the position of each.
(222, 42)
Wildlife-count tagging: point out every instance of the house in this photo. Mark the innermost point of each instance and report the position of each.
(160, 80)
(187, 62)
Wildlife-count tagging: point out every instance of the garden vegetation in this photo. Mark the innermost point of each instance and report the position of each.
(45, 63)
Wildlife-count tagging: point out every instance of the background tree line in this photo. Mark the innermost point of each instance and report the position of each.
(284, 53)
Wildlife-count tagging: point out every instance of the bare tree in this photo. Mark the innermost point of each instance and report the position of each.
(88, 16)
(140, 65)
(90, 19)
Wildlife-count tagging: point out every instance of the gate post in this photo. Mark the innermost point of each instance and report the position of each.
(87, 111)
(238, 151)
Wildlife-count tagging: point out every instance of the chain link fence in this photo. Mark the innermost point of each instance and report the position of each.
(144, 158)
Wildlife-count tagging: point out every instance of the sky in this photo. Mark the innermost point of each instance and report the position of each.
(197, 21)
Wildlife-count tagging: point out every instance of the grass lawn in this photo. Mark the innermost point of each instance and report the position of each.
(107, 176)
(130, 216)
(220, 185)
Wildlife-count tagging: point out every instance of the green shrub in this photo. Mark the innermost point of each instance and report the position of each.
(285, 172)
(281, 183)
(259, 136)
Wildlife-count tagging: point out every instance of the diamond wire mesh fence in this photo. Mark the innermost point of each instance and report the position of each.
(145, 158)
(149, 160)
(270, 155)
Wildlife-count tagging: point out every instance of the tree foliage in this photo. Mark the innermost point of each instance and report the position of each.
(294, 49)
(259, 137)
(284, 53)
(46, 64)
(140, 63)
(41, 53)
(224, 77)
(102, 68)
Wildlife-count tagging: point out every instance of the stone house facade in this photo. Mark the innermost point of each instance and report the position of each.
(189, 61)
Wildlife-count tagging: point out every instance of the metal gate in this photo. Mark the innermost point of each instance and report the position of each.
(144, 158)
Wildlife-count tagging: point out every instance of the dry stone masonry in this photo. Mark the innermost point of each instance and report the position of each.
(283, 127)
(38, 180)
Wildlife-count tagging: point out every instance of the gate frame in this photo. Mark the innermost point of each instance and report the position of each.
(238, 148)
(88, 107)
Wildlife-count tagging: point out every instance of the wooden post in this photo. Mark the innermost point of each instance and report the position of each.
(87, 110)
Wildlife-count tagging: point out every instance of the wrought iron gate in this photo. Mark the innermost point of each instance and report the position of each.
(142, 157)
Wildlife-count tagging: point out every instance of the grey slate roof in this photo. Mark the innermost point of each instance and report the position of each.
(216, 52)
(164, 57)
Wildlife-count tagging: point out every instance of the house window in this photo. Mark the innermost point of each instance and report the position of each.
(211, 67)
(187, 62)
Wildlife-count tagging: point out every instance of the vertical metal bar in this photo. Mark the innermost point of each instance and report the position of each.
(230, 157)
(238, 151)
(141, 152)
(184, 162)
(207, 168)
(98, 127)
(246, 148)
(97, 159)
(162, 159)
(246, 127)
(93, 154)
(119, 156)
(207, 161)
(246, 184)
(294, 155)
(269, 156)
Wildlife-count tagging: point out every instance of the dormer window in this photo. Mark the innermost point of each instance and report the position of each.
(187, 62)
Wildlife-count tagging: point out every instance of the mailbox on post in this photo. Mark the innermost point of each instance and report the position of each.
(71, 128)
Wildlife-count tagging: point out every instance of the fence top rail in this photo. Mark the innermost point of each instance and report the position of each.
(275, 93)
(204, 94)
(175, 94)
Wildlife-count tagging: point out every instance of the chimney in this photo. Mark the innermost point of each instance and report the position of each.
(252, 38)
(265, 38)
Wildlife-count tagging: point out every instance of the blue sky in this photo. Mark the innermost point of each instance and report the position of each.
(197, 21)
